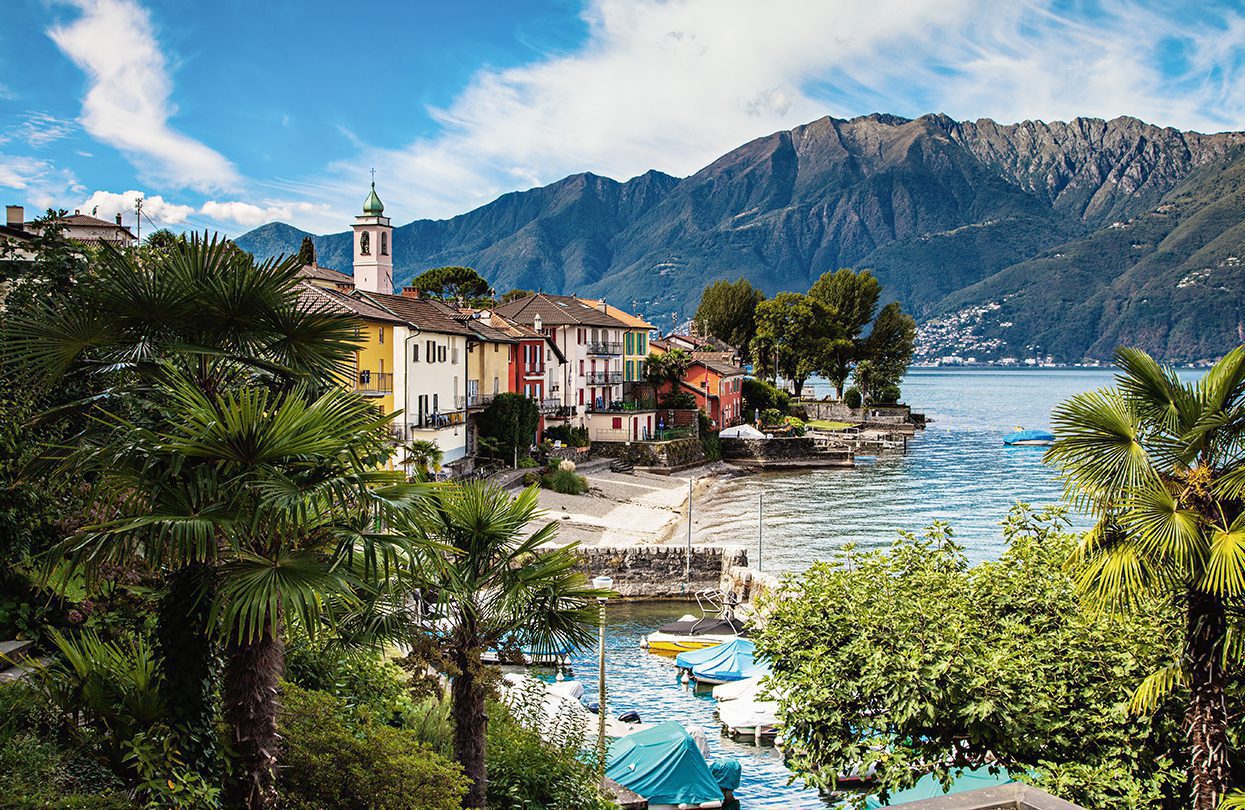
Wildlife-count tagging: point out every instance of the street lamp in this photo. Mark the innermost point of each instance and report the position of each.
(603, 584)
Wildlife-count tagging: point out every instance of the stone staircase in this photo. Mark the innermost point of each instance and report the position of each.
(621, 466)
(14, 657)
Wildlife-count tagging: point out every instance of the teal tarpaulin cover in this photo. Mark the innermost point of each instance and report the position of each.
(1031, 435)
(733, 662)
(727, 773)
(663, 765)
(928, 787)
(691, 658)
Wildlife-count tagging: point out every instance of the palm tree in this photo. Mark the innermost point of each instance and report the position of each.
(480, 580)
(1160, 464)
(424, 455)
(276, 493)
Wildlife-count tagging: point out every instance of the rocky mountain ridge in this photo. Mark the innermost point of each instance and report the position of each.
(1022, 219)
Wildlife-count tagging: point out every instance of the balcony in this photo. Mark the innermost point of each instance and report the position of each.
(373, 384)
(550, 406)
(622, 407)
(603, 377)
(556, 410)
(608, 348)
(479, 400)
(534, 371)
(436, 421)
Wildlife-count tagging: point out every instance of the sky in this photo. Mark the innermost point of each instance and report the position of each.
(230, 114)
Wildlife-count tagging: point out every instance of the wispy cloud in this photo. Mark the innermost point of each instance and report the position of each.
(673, 84)
(41, 182)
(38, 129)
(128, 102)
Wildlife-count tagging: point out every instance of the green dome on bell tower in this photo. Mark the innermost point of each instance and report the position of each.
(372, 206)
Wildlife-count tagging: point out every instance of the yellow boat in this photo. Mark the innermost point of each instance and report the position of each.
(690, 633)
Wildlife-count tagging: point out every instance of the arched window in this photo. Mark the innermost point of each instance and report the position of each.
(365, 244)
(384, 243)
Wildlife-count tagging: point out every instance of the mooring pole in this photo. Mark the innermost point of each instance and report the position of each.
(760, 525)
(687, 566)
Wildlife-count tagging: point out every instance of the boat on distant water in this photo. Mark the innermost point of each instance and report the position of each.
(716, 625)
(1034, 437)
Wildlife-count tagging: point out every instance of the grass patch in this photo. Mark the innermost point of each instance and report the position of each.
(824, 424)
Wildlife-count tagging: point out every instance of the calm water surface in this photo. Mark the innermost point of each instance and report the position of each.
(957, 471)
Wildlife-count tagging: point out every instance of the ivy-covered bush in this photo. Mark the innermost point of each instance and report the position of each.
(368, 683)
(334, 759)
(569, 435)
(525, 771)
(772, 417)
(759, 395)
(852, 398)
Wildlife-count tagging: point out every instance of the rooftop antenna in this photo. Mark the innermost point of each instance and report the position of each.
(373, 175)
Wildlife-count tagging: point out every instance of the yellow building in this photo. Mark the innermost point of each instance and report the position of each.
(372, 376)
(635, 339)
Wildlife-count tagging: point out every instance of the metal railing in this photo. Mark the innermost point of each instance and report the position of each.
(548, 406)
(603, 377)
(374, 383)
(605, 347)
(436, 421)
(534, 371)
(480, 400)
(618, 406)
(627, 435)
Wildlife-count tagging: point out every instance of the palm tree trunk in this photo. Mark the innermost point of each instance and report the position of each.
(1207, 714)
(251, 703)
(470, 727)
(188, 662)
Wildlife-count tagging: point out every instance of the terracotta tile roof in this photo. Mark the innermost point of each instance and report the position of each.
(87, 221)
(558, 310)
(422, 313)
(715, 363)
(321, 299)
(634, 321)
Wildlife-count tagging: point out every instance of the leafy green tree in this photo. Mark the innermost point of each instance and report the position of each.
(1159, 463)
(510, 420)
(793, 332)
(890, 344)
(452, 284)
(486, 582)
(424, 456)
(759, 395)
(853, 297)
(306, 252)
(667, 369)
(727, 311)
(514, 295)
(1016, 669)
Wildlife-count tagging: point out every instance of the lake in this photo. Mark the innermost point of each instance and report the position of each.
(957, 470)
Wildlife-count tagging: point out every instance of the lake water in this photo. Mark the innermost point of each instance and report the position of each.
(957, 471)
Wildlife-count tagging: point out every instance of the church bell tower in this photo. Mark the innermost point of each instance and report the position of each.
(373, 242)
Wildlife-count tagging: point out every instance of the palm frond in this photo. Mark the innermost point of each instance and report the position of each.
(1156, 687)
(1099, 451)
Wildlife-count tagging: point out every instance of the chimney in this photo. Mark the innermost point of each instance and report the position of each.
(604, 307)
(15, 217)
(538, 323)
(410, 292)
(118, 219)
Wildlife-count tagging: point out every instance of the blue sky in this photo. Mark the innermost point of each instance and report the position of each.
(229, 114)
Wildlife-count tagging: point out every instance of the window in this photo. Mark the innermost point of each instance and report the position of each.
(496, 348)
(380, 334)
(454, 356)
(616, 423)
(365, 244)
(441, 355)
(581, 368)
(641, 344)
(639, 369)
(436, 407)
(414, 352)
(581, 396)
(384, 243)
(431, 351)
(630, 347)
(496, 385)
(630, 370)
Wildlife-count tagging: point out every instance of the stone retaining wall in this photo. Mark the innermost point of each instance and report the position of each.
(783, 450)
(657, 572)
(673, 454)
(838, 412)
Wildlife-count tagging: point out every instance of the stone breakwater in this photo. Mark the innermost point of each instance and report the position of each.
(668, 572)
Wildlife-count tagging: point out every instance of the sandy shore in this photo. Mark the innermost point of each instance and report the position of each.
(629, 509)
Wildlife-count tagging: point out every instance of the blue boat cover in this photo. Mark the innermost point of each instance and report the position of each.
(733, 661)
(1031, 435)
(928, 787)
(691, 658)
(727, 772)
(663, 765)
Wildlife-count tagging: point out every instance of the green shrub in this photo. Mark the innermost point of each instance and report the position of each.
(569, 435)
(887, 395)
(568, 482)
(527, 463)
(680, 400)
(367, 682)
(771, 416)
(526, 772)
(760, 396)
(331, 762)
(796, 425)
(531, 479)
(852, 398)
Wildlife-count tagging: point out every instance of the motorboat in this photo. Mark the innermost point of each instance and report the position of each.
(747, 688)
(1034, 437)
(666, 766)
(749, 718)
(930, 787)
(733, 661)
(716, 625)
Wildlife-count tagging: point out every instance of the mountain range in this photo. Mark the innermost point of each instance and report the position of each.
(1032, 240)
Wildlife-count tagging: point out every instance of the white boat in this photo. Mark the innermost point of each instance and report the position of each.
(750, 718)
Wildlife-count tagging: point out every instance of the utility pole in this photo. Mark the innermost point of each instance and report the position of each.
(138, 219)
(760, 525)
(687, 567)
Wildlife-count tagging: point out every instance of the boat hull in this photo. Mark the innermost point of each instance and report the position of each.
(673, 645)
(1031, 443)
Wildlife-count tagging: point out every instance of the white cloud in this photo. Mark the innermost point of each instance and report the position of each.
(250, 215)
(42, 184)
(128, 102)
(673, 84)
(107, 204)
(38, 129)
